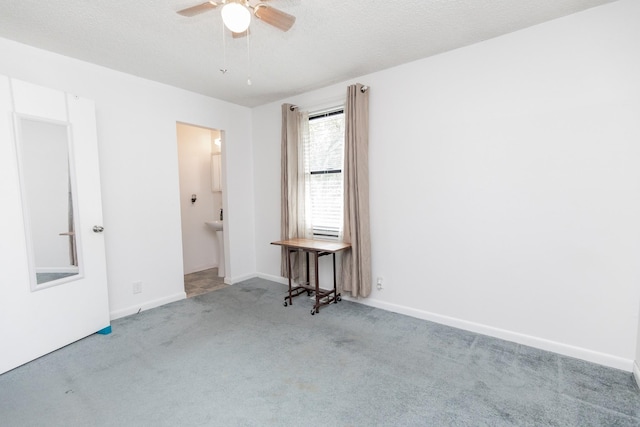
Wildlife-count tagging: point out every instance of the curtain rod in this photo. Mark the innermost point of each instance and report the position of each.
(363, 89)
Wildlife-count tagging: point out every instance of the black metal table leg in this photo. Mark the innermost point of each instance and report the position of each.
(317, 277)
(336, 295)
(290, 297)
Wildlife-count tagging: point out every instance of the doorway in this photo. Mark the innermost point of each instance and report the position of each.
(201, 207)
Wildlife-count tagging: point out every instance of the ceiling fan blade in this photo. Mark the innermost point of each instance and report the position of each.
(273, 16)
(198, 9)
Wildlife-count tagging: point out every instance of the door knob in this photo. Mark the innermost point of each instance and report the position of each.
(98, 229)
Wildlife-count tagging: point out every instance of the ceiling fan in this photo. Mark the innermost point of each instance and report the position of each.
(236, 14)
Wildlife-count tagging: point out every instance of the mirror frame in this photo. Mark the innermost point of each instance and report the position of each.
(18, 132)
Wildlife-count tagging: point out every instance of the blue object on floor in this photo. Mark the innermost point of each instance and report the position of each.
(105, 331)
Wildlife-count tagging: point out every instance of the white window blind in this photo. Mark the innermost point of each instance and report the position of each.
(323, 169)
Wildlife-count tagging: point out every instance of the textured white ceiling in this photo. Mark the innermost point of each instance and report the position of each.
(331, 41)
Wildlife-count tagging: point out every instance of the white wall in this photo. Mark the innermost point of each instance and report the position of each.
(199, 242)
(136, 121)
(505, 187)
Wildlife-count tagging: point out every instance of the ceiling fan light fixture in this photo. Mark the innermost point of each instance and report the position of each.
(236, 17)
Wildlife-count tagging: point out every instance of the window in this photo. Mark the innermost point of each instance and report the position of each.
(324, 156)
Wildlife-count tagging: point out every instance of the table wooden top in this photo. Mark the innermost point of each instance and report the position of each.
(315, 245)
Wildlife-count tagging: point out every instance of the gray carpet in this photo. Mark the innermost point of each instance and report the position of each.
(237, 357)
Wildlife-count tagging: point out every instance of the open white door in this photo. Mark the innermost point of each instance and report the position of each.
(53, 285)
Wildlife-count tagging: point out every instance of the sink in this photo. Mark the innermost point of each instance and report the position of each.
(217, 227)
(214, 225)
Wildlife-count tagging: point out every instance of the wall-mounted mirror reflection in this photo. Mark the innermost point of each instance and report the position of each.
(47, 190)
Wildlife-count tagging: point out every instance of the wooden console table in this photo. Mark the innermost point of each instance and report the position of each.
(318, 248)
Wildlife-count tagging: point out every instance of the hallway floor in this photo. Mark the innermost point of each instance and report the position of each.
(202, 282)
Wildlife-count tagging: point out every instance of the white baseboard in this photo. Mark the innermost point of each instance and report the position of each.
(238, 279)
(531, 341)
(272, 278)
(147, 305)
(541, 343)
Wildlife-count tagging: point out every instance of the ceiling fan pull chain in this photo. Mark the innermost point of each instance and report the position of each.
(248, 58)
(223, 70)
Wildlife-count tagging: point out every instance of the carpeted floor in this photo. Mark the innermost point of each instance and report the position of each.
(237, 357)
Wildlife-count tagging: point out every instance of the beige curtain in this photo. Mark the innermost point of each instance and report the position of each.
(356, 263)
(292, 217)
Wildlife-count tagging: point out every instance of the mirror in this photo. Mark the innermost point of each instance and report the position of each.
(48, 201)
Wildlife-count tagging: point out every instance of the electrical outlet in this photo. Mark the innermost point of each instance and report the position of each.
(379, 283)
(137, 287)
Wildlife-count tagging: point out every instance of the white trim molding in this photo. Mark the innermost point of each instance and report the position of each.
(271, 278)
(540, 343)
(238, 279)
(147, 305)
